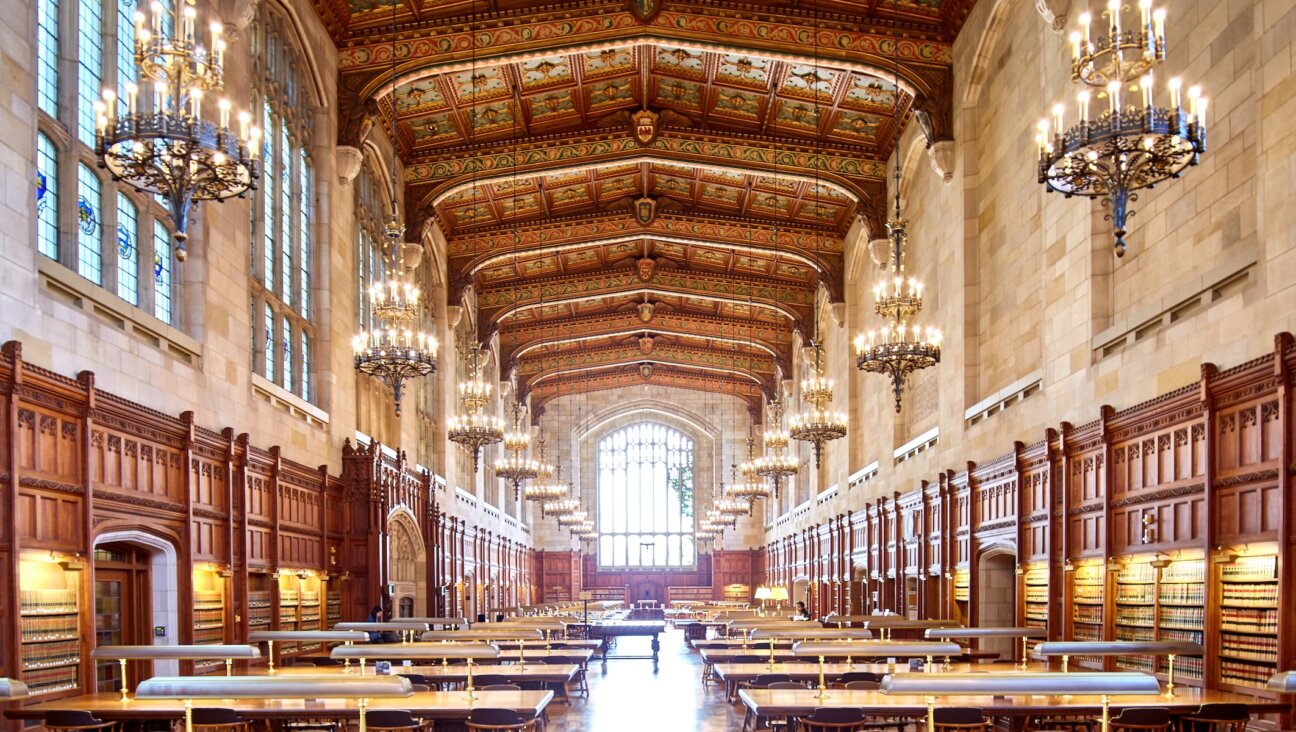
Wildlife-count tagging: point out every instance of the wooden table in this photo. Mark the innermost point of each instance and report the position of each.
(458, 672)
(734, 643)
(451, 706)
(712, 656)
(733, 674)
(608, 630)
(794, 702)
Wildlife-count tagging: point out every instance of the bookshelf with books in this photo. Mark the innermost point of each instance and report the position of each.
(1088, 598)
(49, 624)
(1248, 629)
(1035, 590)
(1135, 618)
(333, 608)
(1181, 614)
(208, 613)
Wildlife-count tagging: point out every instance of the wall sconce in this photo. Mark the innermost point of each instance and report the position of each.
(225, 572)
(1159, 562)
(70, 562)
(303, 573)
(1020, 570)
(1224, 555)
(1149, 528)
(1067, 566)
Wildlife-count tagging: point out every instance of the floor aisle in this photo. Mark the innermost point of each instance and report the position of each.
(630, 697)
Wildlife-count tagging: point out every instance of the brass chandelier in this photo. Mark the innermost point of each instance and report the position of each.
(819, 424)
(776, 465)
(475, 428)
(392, 350)
(548, 485)
(163, 144)
(752, 487)
(1134, 144)
(517, 468)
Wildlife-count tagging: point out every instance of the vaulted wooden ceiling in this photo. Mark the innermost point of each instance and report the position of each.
(636, 190)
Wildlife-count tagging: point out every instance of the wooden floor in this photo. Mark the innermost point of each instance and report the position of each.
(630, 697)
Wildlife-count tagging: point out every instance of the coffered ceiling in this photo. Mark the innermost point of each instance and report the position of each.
(636, 191)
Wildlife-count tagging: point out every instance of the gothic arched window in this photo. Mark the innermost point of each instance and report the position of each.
(645, 498)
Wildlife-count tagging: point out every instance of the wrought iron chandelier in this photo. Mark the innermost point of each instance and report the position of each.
(776, 465)
(563, 507)
(163, 144)
(818, 424)
(392, 350)
(547, 490)
(574, 519)
(517, 468)
(898, 349)
(1134, 144)
(475, 429)
(752, 487)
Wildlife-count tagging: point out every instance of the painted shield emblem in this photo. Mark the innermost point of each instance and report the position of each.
(645, 267)
(645, 210)
(644, 123)
(645, 10)
(645, 370)
(646, 344)
(646, 312)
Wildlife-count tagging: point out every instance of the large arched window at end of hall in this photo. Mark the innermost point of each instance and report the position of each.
(645, 506)
(283, 250)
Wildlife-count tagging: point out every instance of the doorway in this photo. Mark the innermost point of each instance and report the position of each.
(997, 599)
(122, 607)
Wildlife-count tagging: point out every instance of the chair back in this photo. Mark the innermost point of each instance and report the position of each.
(488, 679)
(862, 686)
(417, 678)
(850, 676)
(959, 719)
(1142, 719)
(786, 685)
(390, 719)
(767, 679)
(70, 719)
(496, 719)
(748, 659)
(215, 717)
(420, 687)
(502, 687)
(1217, 718)
(834, 719)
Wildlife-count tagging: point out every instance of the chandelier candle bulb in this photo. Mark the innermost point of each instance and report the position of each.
(1114, 11)
(1158, 32)
(1085, 20)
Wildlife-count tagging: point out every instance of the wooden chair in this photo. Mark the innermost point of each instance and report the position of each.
(1143, 719)
(862, 686)
(218, 719)
(501, 687)
(71, 720)
(833, 719)
(1216, 718)
(764, 681)
(850, 676)
(488, 679)
(959, 719)
(499, 719)
(395, 720)
(582, 683)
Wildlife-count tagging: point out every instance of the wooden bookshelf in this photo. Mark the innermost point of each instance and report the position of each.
(1035, 591)
(1135, 617)
(49, 619)
(1088, 599)
(1248, 621)
(333, 608)
(1181, 614)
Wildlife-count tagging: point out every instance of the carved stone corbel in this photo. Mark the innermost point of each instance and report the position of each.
(880, 252)
(941, 155)
(236, 16)
(349, 161)
(1054, 12)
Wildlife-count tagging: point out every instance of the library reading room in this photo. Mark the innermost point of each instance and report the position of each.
(648, 365)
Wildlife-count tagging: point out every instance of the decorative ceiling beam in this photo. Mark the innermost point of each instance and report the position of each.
(715, 359)
(837, 168)
(495, 303)
(456, 46)
(765, 382)
(626, 376)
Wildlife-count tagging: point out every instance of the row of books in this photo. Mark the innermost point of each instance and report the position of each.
(1251, 647)
(1189, 618)
(41, 628)
(1250, 594)
(1184, 571)
(1137, 573)
(47, 655)
(1088, 614)
(1135, 594)
(1249, 621)
(1182, 594)
(1245, 674)
(1250, 569)
(47, 602)
(1186, 667)
(50, 680)
(1136, 615)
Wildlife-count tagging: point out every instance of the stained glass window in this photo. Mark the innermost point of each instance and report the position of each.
(89, 215)
(47, 56)
(270, 355)
(306, 212)
(90, 63)
(126, 71)
(286, 204)
(267, 273)
(47, 205)
(163, 308)
(127, 250)
(287, 355)
(645, 498)
(305, 367)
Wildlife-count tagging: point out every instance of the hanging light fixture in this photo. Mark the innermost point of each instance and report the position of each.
(776, 465)
(752, 487)
(517, 468)
(546, 490)
(898, 349)
(727, 504)
(475, 429)
(1134, 144)
(163, 144)
(563, 507)
(393, 351)
(818, 424)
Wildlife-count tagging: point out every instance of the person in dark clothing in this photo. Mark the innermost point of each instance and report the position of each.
(801, 612)
(375, 616)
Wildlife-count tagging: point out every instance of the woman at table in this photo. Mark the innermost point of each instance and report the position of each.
(801, 612)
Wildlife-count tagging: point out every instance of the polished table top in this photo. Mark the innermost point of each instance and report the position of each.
(435, 704)
(766, 702)
(449, 672)
(732, 643)
(727, 655)
(810, 671)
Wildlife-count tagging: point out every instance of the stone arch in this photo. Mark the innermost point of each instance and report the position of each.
(1000, 11)
(406, 560)
(996, 594)
(164, 580)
